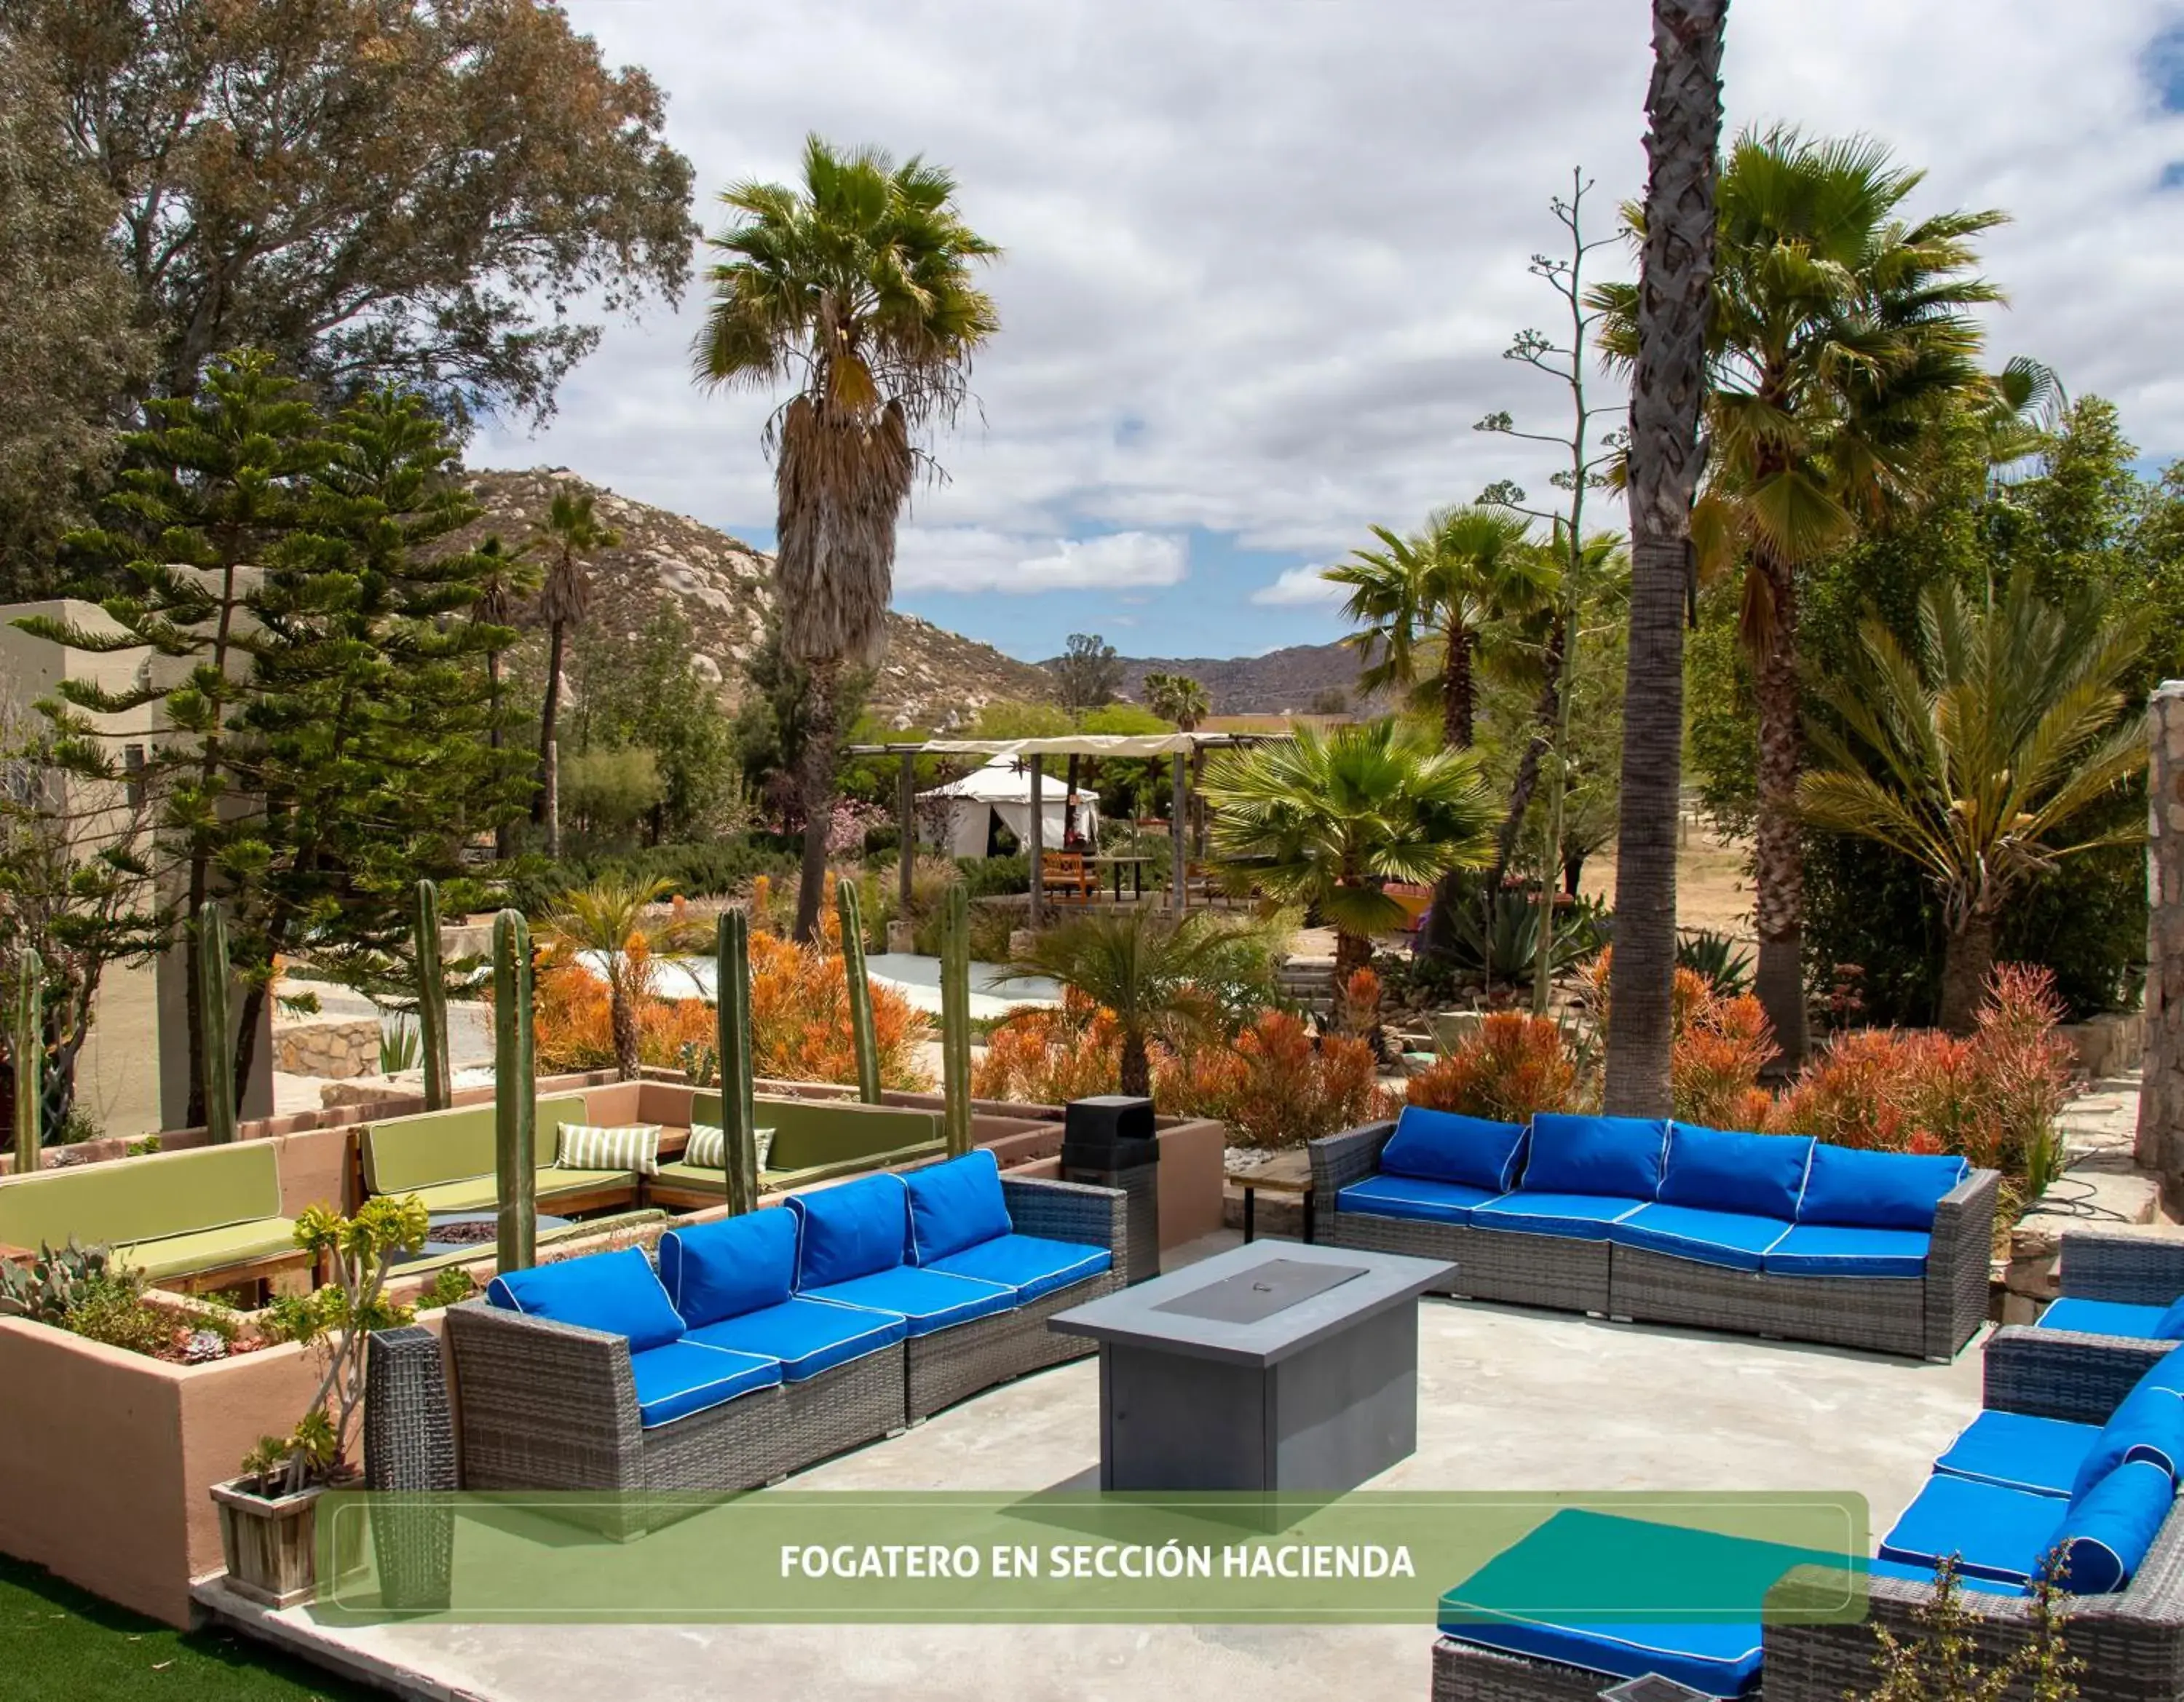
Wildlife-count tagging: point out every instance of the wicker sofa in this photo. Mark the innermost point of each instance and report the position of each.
(2121, 1308)
(1771, 1235)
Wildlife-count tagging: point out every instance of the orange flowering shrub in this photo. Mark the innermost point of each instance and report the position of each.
(1049, 1056)
(1718, 1044)
(1277, 1085)
(1357, 1009)
(1514, 1064)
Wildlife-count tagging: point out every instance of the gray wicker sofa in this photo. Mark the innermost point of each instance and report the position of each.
(1668, 1223)
(2120, 1293)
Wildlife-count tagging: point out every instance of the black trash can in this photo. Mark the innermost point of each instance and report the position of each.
(1110, 1141)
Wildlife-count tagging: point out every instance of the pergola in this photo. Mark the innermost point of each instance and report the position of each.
(1178, 748)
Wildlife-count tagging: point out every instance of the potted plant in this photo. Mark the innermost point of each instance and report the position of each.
(268, 1513)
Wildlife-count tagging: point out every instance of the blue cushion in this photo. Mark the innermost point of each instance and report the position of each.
(2170, 1327)
(2106, 1533)
(928, 1300)
(1713, 1658)
(1823, 1249)
(1412, 1196)
(1871, 1190)
(1730, 1238)
(615, 1291)
(854, 1229)
(678, 1378)
(2039, 1456)
(807, 1337)
(1994, 1532)
(955, 1205)
(1597, 1155)
(1717, 1170)
(737, 1264)
(1447, 1146)
(2148, 1424)
(1925, 1575)
(2102, 1318)
(2167, 1371)
(1580, 1216)
(1028, 1264)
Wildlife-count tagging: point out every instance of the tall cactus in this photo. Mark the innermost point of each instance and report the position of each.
(515, 1095)
(218, 1062)
(26, 1046)
(852, 910)
(431, 998)
(955, 1019)
(731, 1016)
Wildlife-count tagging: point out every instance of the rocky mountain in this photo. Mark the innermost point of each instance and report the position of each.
(1287, 679)
(724, 587)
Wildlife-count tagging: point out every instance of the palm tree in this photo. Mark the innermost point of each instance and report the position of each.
(1839, 331)
(856, 287)
(1668, 380)
(1177, 697)
(1973, 757)
(505, 577)
(1324, 819)
(571, 535)
(1157, 976)
(602, 919)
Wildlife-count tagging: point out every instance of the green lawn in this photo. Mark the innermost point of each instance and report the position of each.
(58, 1644)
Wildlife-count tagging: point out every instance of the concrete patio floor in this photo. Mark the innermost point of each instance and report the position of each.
(1509, 1400)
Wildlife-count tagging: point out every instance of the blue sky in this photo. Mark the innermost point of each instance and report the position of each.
(1263, 259)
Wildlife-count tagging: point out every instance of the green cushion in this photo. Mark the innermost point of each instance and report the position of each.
(411, 1154)
(208, 1249)
(126, 1200)
(477, 1192)
(678, 1175)
(812, 1133)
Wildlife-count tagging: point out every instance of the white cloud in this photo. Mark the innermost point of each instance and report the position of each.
(1299, 585)
(973, 558)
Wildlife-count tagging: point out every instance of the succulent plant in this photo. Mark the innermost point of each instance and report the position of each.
(431, 998)
(49, 1285)
(738, 1102)
(514, 1093)
(852, 910)
(204, 1345)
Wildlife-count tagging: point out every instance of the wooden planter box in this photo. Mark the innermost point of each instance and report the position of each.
(270, 1544)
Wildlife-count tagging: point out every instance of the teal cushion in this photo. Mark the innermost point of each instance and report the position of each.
(615, 1292)
(678, 1378)
(2148, 1424)
(1446, 1146)
(1993, 1532)
(2039, 1456)
(2107, 1530)
(1728, 1239)
(1718, 1170)
(955, 1205)
(1028, 1264)
(927, 1300)
(1827, 1249)
(1610, 1156)
(2102, 1318)
(737, 1264)
(807, 1337)
(853, 1229)
(1577, 1217)
(1869, 1190)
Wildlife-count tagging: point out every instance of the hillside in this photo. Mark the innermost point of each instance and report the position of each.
(723, 588)
(1280, 681)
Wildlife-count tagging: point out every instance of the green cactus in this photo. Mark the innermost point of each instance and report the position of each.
(218, 1059)
(431, 998)
(852, 909)
(515, 1095)
(47, 1288)
(732, 1013)
(26, 1045)
(955, 1019)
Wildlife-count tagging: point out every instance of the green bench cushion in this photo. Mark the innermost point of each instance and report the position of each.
(412, 1154)
(123, 1202)
(816, 1134)
(480, 1192)
(210, 1249)
(678, 1175)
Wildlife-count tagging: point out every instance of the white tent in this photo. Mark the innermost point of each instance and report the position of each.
(1003, 788)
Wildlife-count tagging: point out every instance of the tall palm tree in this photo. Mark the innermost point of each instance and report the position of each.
(505, 578)
(1972, 756)
(1667, 381)
(1324, 820)
(571, 534)
(1177, 697)
(1839, 331)
(602, 919)
(856, 287)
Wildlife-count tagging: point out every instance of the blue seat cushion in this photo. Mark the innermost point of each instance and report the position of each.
(853, 1229)
(678, 1378)
(807, 1337)
(1029, 1265)
(1718, 1170)
(1713, 1658)
(2147, 1424)
(955, 1205)
(2102, 1318)
(1994, 1532)
(1826, 1250)
(1616, 1156)
(1730, 1238)
(615, 1292)
(1580, 1217)
(1925, 1575)
(2105, 1534)
(1447, 1146)
(2038, 1456)
(1862, 1189)
(928, 1300)
(1412, 1196)
(724, 1269)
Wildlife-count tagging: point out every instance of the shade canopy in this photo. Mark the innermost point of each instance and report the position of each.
(1078, 744)
(1002, 789)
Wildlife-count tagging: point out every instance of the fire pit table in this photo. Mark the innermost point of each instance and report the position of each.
(467, 1231)
(1271, 1366)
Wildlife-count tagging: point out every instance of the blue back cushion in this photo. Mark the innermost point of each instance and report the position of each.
(1447, 1146)
(1619, 1156)
(1871, 1190)
(723, 1269)
(615, 1291)
(2106, 1532)
(856, 1229)
(955, 1205)
(1715, 1169)
(2148, 1424)
(2170, 1327)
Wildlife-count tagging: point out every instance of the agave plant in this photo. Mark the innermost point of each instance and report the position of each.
(1726, 965)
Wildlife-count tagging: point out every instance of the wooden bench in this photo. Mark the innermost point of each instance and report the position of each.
(447, 1159)
(814, 1141)
(1065, 875)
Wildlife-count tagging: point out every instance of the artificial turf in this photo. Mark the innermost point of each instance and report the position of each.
(58, 1644)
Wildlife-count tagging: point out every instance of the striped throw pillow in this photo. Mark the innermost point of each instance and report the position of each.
(708, 1147)
(633, 1146)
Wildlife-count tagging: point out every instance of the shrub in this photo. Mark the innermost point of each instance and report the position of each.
(1276, 1086)
(718, 868)
(1050, 1055)
(1718, 1044)
(1514, 1064)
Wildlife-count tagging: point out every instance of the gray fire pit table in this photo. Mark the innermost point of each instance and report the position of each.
(1271, 1366)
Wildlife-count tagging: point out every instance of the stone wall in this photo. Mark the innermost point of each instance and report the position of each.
(2161, 1145)
(334, 1050)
